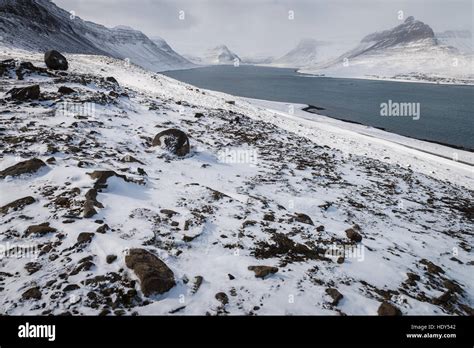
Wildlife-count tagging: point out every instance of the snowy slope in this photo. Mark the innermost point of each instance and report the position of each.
(408, 51)
(40, 25)
(460, 39)
(413, 209)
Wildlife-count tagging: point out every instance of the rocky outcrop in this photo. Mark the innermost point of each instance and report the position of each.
(155, 276)
(25, 167)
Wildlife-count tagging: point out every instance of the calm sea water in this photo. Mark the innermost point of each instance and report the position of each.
(446, 111)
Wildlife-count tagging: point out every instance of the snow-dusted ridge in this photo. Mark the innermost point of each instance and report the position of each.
(40, 25)
(412, 209)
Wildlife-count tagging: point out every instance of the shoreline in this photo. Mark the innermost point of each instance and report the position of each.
(455, 147)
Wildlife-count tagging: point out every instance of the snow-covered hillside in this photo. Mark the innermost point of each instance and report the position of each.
(40, 25)
(337, 221)
(305, 53)
(408, 51)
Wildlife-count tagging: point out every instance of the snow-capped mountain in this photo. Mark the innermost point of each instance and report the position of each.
(305, 53)
(411, 49)
(460, 39)
(41, 25)
(220, 55)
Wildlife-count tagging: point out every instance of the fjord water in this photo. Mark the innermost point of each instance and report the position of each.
(446, 111)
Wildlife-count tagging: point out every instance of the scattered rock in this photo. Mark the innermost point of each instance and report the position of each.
(102, 229)
(71, 287)
(55, 60)
(387, 309)
(17, 205)
(231, 277)
(155, 276)
(173, 140)
(111, 79)
(66, 90)
(222, 298)
(32, 294)
(40, 229)
(88, 209)
(431, 267)
(335, 295)
(25, 167)
(110, 258)
(168, 212)
(353, 235)
(263, 271)
(304, 219)
(101, 177)
(198, 115)
(85, 237)
(25, 93)
(320, 228)
(32, 267)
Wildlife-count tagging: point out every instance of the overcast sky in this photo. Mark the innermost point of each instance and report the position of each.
(264, 27)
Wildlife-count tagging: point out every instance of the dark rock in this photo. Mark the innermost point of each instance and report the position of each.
(269, 217)
(452, 286)
(17, 205)
(102, 229)
(55, 60)
(335, 295)
(303, 218)
(353, 235)
(25, 93)
(32, 267)
(168, 212)
(101, 176)
(231, 277)
(173, 140)
(110, 258)
(40, 229)
(25, 167)
(111, 79)
(85, 237)
(32, 294)
(431, 267)
(155, 276)
(262, 271)
(387, 309)
(198, 115)
(66, 90)
(88, 209)
(222, 298)
(320, 228)
(71, 287)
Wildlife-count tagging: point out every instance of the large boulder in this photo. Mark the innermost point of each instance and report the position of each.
(155, 277)
(388, 309)
(173, 140)
(25, 93)
(24, 167)
(55, 60)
